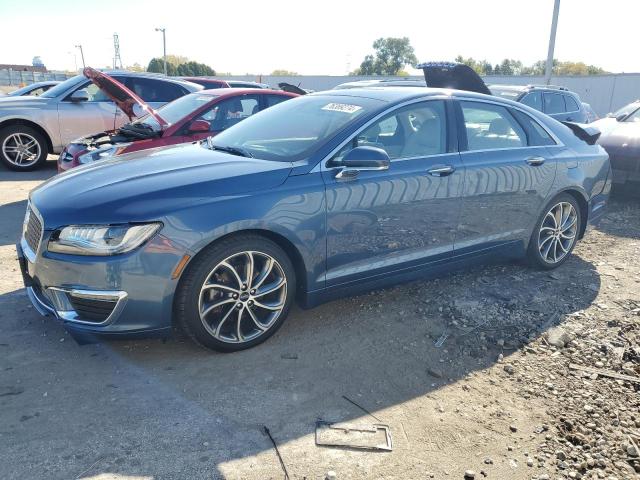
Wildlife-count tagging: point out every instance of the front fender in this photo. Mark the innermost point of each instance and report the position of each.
(295, 211)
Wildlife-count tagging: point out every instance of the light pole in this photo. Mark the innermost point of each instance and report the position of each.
(164, 47)
(552, 43)
(81, 55)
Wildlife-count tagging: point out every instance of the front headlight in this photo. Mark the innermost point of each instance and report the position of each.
(102, 153)
(101, 239)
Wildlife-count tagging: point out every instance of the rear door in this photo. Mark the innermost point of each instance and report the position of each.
(153, 91)
(554, 106)
(385, 222)
(509, 171)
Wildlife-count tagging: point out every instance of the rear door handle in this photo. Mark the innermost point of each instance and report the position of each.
(441, 171)
(535, 161)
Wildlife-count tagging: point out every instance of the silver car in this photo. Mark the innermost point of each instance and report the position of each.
(33, 127)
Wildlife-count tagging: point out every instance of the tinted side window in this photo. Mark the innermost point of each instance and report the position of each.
(533, 100)
(416, 130)
(554, 103)
(231, 111)
(152, 90)
(536, 135)
(572, 105)
(275, 99)
(491, 127)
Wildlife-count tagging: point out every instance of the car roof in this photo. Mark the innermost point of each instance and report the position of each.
(221, 92)
(399, 94)
(157, 76)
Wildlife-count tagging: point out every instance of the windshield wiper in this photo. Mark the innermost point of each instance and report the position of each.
(241, 152)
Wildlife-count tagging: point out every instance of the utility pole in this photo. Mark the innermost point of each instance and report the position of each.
(81, 55)
(164, 47)
(552, 43)
(117, 61)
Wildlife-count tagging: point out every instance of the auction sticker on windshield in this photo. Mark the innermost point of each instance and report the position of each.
(341, 107)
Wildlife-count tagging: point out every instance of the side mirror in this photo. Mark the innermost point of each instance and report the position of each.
(80, 96)
(362, 159)
(199, 126)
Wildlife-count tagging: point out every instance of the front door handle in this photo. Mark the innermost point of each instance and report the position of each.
(535, 161)
(441, 171)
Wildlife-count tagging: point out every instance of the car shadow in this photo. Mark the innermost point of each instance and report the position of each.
(48, 170)
(617, 221)
(170, 409)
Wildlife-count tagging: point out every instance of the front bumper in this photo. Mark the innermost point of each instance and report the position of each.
(128, 295)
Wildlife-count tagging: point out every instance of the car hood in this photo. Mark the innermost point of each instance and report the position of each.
(124, 98)
(147, 187)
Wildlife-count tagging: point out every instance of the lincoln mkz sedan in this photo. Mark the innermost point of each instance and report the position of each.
(318, 197)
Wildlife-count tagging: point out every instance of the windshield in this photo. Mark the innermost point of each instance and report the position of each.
(63, 87)
(293, 129)
(626, 110)
(508, 93)
(175, 111)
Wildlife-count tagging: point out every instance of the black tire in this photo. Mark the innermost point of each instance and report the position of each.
(535, 254)
(187, 299)
(9, 160)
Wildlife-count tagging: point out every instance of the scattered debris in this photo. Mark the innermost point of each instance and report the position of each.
(360, 436)
(275, 446)
(289, 356)
(558, 337)
(361, 407)
(605, 373)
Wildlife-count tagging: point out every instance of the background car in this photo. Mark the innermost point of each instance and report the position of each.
(35, 89)
(557, 102)
(32, 127)
(621, 139)
(324, 195)
(592, 116)
(186, 119)
(212, 83)
(381, 83)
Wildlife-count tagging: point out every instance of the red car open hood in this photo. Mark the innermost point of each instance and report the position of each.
(453, 75)
(124, 98)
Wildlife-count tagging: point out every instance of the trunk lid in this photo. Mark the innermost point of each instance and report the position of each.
(453, 75)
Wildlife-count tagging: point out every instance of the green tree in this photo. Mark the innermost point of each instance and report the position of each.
(391, 56)
(187, 68)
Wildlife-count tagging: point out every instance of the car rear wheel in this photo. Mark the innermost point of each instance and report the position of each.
(236, 294)
(22, 148)
(556, 232)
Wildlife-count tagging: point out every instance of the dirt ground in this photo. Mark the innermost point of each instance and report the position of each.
(497, 397)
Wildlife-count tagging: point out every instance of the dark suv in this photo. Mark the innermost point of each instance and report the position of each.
(557, 102)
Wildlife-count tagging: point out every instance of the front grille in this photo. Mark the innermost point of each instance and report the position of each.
(33, 230)
(91, 310)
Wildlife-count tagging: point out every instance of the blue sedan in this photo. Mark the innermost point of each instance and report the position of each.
(322, 196)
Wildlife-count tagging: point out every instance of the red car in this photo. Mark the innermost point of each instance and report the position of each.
(187, 119)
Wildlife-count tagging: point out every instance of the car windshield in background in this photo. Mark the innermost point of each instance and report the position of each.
(293, 129)
(62, 87)
(508, 93)
(177, 110)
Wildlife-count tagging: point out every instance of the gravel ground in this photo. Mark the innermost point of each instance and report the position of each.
(497, 399)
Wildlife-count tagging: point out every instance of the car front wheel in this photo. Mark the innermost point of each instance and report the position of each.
(22, 148)
(236, 294)
(556, 232)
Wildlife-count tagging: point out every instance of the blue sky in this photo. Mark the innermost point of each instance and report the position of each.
(320, 37)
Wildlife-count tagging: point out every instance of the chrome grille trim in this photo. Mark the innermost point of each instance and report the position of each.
(32, 232)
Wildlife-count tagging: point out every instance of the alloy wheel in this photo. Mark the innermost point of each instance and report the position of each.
(21, 149)
(242, 297)
(558, 232)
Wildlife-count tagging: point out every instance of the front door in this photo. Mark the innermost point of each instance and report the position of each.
(509, 170)
(382, 222)
(77, 119)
